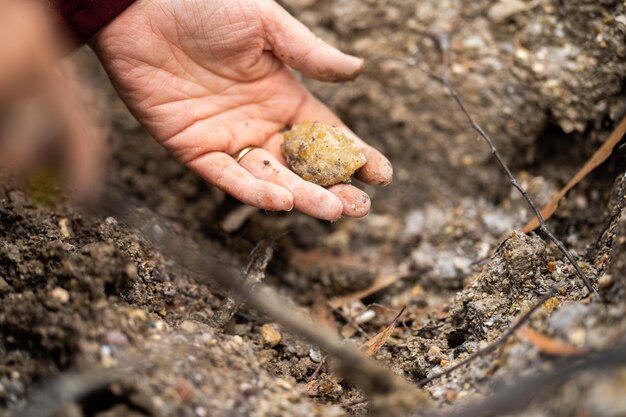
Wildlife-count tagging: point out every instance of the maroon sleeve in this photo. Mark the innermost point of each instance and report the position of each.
(81, 19)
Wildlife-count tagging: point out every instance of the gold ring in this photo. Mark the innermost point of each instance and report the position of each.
(243, 152)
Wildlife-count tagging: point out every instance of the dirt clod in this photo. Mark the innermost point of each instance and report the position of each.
(321, 153)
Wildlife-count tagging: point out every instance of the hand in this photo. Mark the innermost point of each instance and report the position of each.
(208, 78)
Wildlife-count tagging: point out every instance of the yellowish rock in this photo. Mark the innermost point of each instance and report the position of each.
(60, 294)
(322, 154)
(270, 335)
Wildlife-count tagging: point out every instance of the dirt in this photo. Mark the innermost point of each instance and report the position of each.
(81, 292)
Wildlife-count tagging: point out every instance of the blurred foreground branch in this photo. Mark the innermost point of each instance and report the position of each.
(388, 393)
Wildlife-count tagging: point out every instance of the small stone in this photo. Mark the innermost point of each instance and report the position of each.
(184, 389)
(578, 336)
(605, 281)
(189, 326)
(326, 386)
(365, 316)
(60, 294)
(106, 358)
(4, 286)
(551, 304)
(131, 272)
(160, 325)
(270, 335)
(322, 154)
(505, 9)
(434, 354)
(417, 291)
(451, 395)
(138, 314)
(116, 338)
(315, 355)
(284, 384)
(247, 388)
(66, 230)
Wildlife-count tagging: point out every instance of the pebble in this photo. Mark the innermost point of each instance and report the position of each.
(189, 326)
(4, 286)
(451, 395)
(60, 294)
(116, 338)
(184, 390)
(605, 281)
(578, 336)
(315, 355)
(159, 325)
(550, 305)
(138, 314)
(365, 316)
(505, 9)
(434, 354)
(270, 335)
(247, 388)
(66, 230)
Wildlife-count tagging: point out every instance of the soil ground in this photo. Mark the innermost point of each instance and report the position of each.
(81, 293)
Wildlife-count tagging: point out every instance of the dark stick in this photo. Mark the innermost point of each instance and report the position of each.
(443, 43)
(518, 395)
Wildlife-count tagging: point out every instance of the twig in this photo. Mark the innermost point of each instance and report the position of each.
(503, 338)
(252, 274)
(317, 371)
(443, 43)
(352, 322)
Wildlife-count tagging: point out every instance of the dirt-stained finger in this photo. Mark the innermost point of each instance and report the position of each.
(221, 170)
(356, 203)
(308, 198)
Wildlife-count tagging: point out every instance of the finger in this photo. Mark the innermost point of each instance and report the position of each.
(356, 203)
(86, 132)
(295, 45)
(222, 171)
(377, 170)
(309, 198)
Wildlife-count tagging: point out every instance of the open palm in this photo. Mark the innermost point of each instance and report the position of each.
(209, 78)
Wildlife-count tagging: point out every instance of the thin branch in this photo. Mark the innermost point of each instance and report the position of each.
(501, 340)
(443, 43)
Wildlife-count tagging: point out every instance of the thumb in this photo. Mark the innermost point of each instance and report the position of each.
(295, 45)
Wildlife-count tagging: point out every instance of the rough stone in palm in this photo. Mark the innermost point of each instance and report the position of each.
(322, 154)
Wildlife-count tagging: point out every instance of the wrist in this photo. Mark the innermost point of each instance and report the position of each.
(80, 20)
